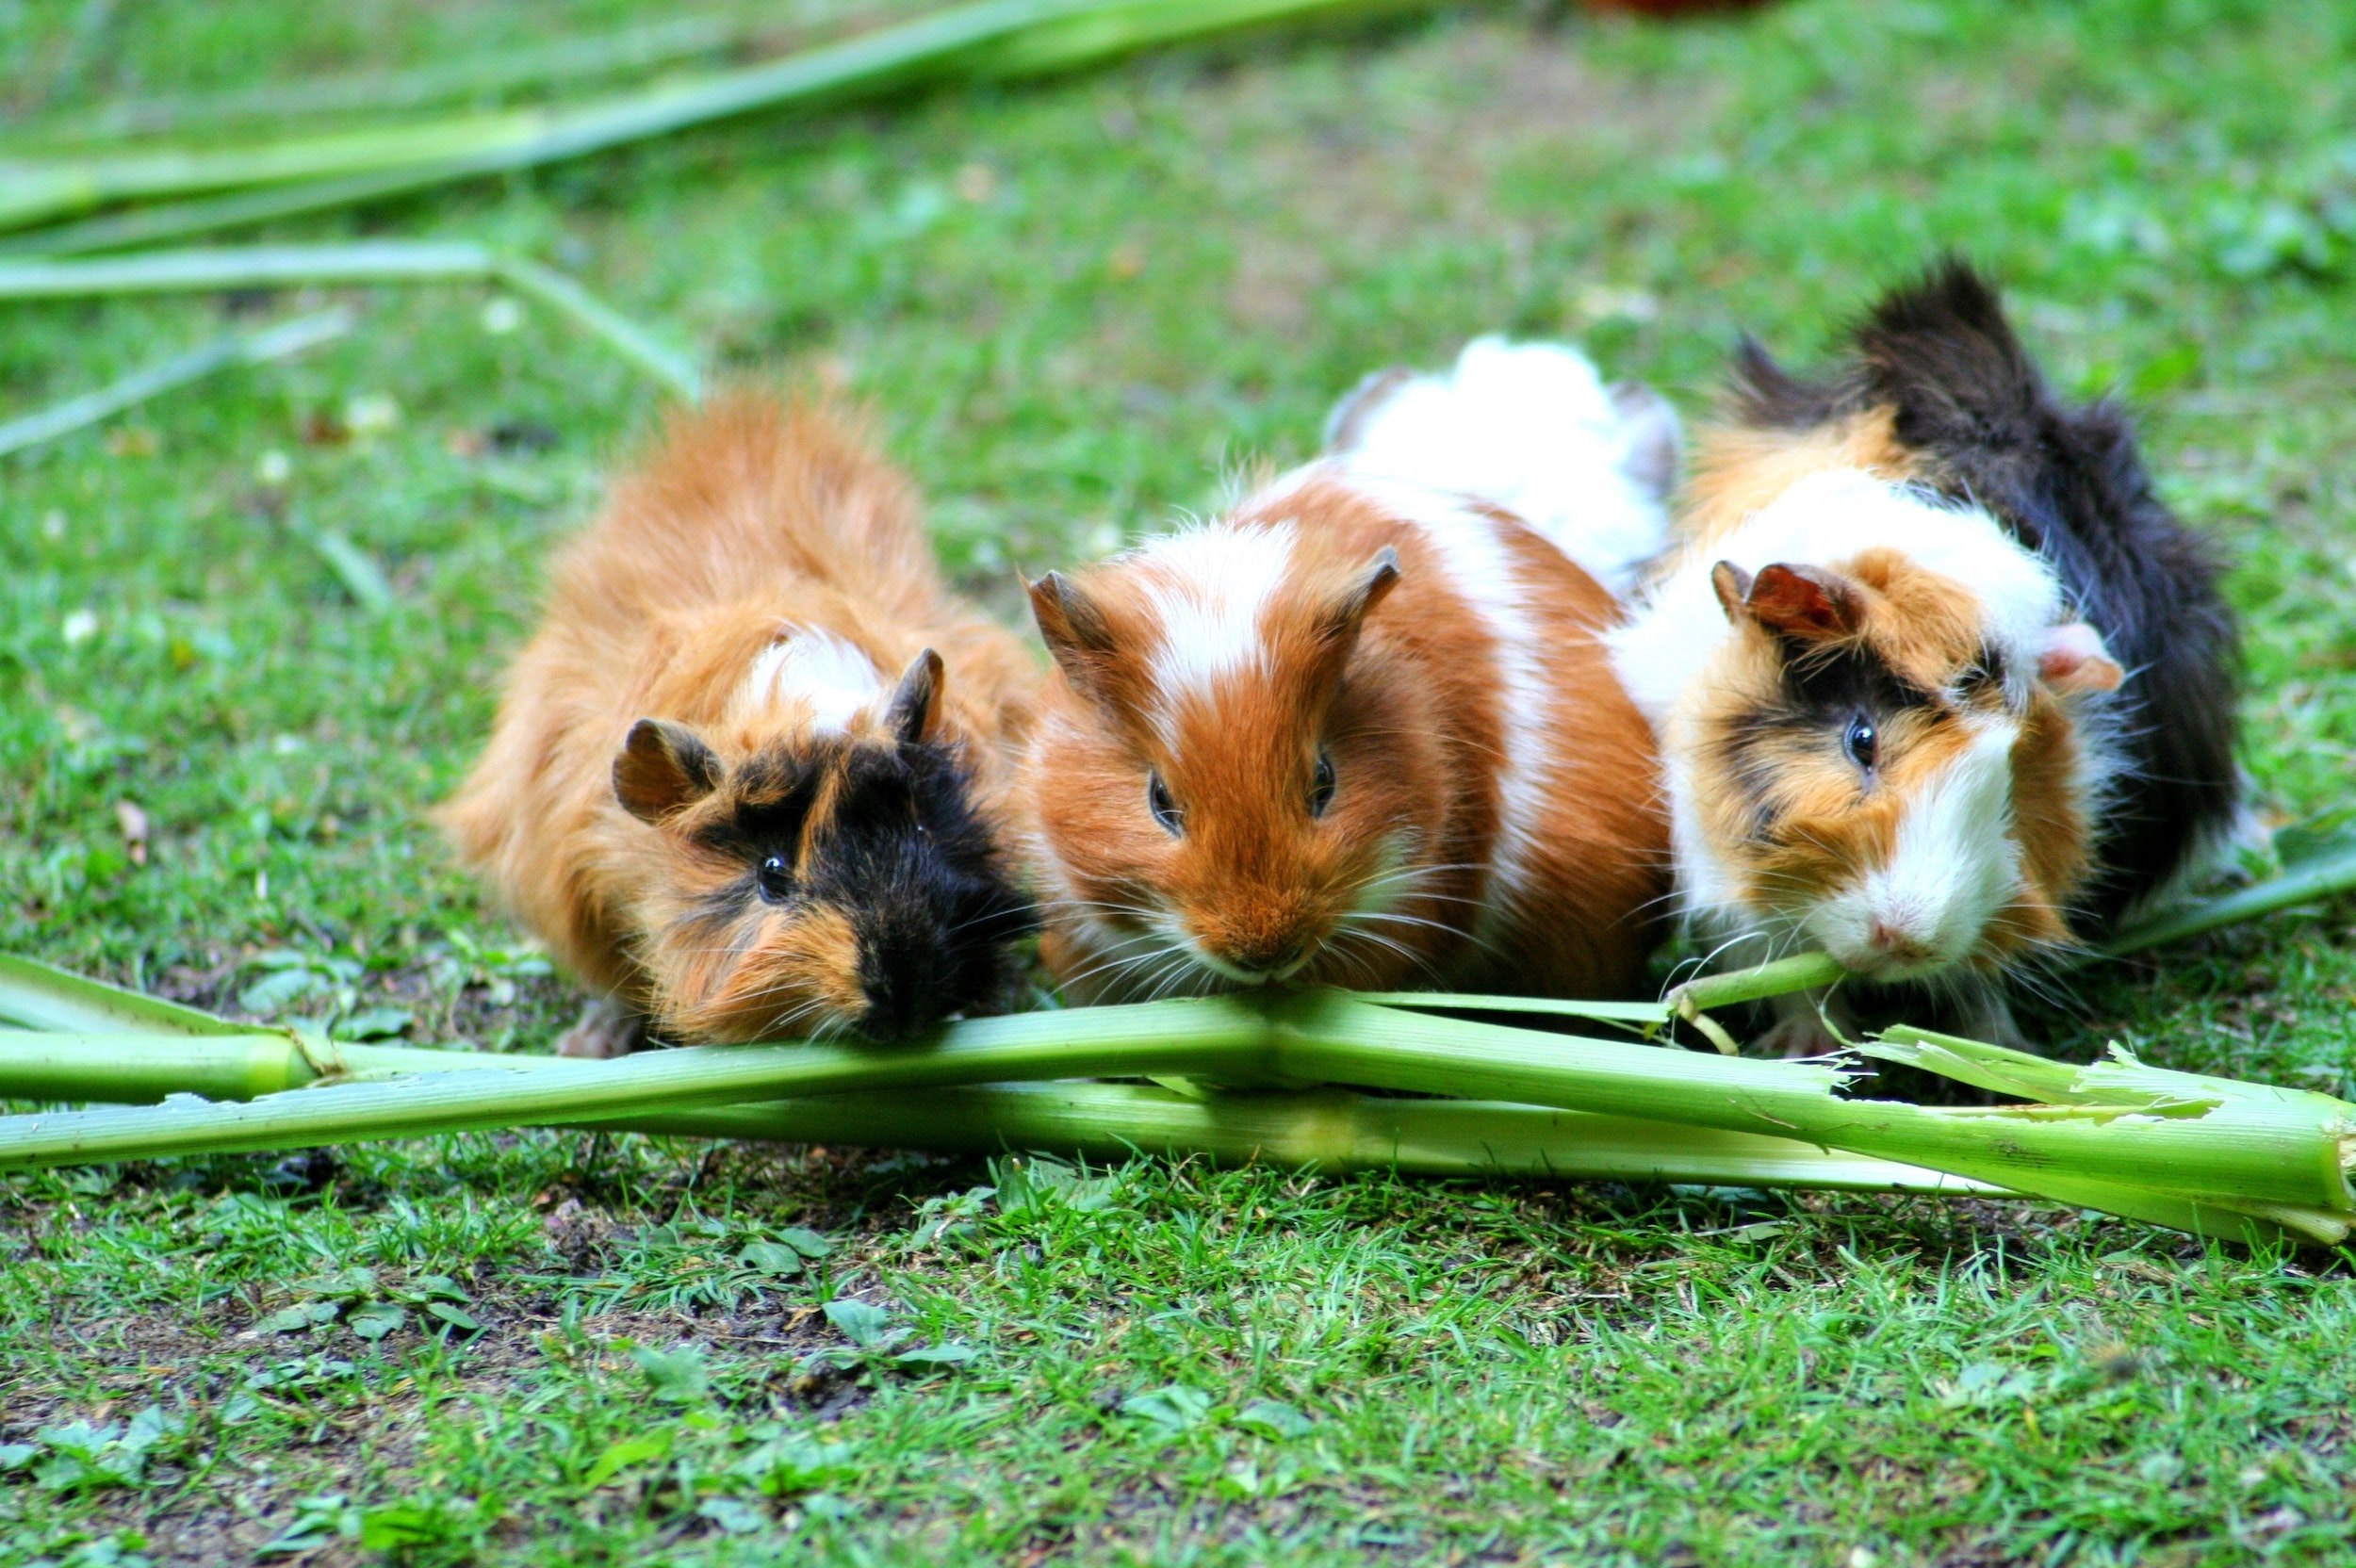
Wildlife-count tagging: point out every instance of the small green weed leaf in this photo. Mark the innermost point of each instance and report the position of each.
(301, 1315)
(372, 1023)
(1272, 1418)
(793, 1463)
(678, 1375)
(947, 1353)
(345, 1284)
(377, 1320)
(807, 1242)
(732, 1514)
(401, 1525)
(432, 1287)
(630, 1451)
(273, 993)
(862, 1323)
(457, 1317)
(1173, 1410)
(317, 1521)
(828, 1360)
(16, 1455)
(770, 1257)
(1985, 1384)
(304, 1372)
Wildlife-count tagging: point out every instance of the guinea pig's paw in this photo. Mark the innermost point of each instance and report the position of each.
(1799, 1030)
(606, 1028)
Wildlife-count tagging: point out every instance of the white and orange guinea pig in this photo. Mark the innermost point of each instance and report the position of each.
(1359, 731)
(1940, 687)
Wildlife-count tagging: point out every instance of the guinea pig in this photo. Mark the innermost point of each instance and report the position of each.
(1941, 686)
(746, 779)
(1356, 733)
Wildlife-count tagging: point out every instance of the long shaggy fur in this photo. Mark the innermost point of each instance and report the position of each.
(712, 689)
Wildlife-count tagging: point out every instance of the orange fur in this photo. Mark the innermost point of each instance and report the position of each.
(750, 517)
(1407, 700)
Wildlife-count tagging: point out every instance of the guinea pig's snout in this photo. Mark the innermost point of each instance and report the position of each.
(1254, 947)
(1896, 944)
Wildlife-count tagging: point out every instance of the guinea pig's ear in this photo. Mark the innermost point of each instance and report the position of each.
(662, 767)
(2074, 659)
(1075, 630)
(914, 710)
(1371, 584)
(1796, 601)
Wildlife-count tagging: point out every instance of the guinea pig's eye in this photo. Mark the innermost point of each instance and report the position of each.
(1862, 742)
(777, 878)
(1321, 787)
(1165, 810)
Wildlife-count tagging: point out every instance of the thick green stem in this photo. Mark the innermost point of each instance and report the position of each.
(1329, 1129)
(1215, 1037)
(2284, 1152)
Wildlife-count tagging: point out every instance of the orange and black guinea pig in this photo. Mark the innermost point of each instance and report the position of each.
(749, 778)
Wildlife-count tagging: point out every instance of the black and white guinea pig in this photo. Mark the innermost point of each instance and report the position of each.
(1940, 684)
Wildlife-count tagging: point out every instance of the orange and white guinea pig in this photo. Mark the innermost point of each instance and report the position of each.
(1359, 731)
(1940, 686)
(745, 780)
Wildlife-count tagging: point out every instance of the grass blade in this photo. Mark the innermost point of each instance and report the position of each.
(238, 348)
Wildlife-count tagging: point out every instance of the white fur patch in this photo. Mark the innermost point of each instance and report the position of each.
(1208, 587)
(1473, 553)
(819, 672)
(1824, 519)
(1530, 427)
(1954, 868)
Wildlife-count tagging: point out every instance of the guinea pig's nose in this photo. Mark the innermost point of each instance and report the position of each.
(892, 1010)
(1893, 942)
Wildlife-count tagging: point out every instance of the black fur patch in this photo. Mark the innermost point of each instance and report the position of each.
(2068, 482)
(900, 852)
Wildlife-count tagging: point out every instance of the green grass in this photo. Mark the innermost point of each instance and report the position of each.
(1076, 307)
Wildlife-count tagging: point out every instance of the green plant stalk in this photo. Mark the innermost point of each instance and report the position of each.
(2280, 1160)
(566, 60)
(368, 262)
(223, 354)
(2306, 883)
(946, 43)
(1217, 1036)
(1329, 1129)
(2287, 1153)
(34, 995)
